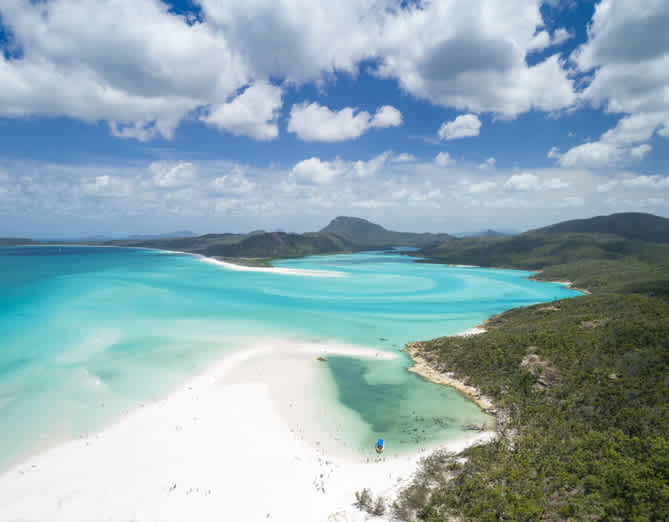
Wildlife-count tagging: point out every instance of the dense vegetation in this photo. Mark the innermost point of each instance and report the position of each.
(585, 384)
(582, 384)
(631, 225)
(595, 261)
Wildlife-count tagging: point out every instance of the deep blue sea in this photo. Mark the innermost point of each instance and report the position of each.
(88, 332)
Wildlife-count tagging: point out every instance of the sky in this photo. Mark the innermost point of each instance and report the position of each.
(126, 117)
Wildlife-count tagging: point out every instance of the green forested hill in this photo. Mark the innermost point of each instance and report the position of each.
(597, 261)
(630, 225)
(582, 384)
(585, 384)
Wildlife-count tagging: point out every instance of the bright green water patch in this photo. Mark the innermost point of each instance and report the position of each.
(400, 407)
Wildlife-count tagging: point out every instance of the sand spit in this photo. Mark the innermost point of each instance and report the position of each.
(273, 270)
(218, 448)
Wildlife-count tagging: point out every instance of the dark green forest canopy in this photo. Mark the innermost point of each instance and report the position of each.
(583, 384)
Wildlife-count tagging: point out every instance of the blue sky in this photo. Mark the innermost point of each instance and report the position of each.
(124, 117)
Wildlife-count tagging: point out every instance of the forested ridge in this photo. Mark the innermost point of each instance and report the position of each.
(582, 386)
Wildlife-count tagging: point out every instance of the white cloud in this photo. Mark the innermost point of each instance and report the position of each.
(652, 182)
(78, 61)
(523, 182)
(561, 35)
(253, 113)
(554, 153)
(444, 159)
(464, 126)
(627, 56)
(404, 157)
(617, 145)
(484, 186)
(542, 39)
(529, 182)
(165, 195)
(233, 183)
(313, 170)
(474, 63)
(387, 116)
(640, 151)
(506, 203)
(167, 174)
(593, 155)
(314, 122)
(363, 169)
(488, 164)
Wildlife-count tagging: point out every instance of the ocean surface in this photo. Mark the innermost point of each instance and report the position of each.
(88, 332)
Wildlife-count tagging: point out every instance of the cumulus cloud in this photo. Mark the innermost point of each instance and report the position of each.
(316, 171)
(313, 170)
(464, 126)
(627, 55)
(529, 182)
(73, 59)
(594, 155)
(621, 144)
(474, 63)
(444, 159)
(235, 182)
(253, 113)
(77, 61)
(387, 116)
(314, 122)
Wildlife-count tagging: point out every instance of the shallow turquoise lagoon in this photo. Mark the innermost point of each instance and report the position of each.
(87, 332)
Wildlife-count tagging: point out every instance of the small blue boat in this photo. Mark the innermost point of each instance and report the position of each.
(379, 446)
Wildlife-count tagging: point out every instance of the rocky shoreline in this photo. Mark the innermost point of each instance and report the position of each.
(427, 366)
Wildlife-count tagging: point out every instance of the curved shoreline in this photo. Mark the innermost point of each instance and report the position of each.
(429, 370)
(217, 446)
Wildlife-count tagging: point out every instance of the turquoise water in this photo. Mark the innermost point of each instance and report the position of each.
(88, 332)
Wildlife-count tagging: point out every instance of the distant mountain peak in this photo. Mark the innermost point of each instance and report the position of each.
(365, 233)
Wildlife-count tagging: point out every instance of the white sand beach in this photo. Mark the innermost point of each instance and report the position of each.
(272, 269)
(236, 443)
